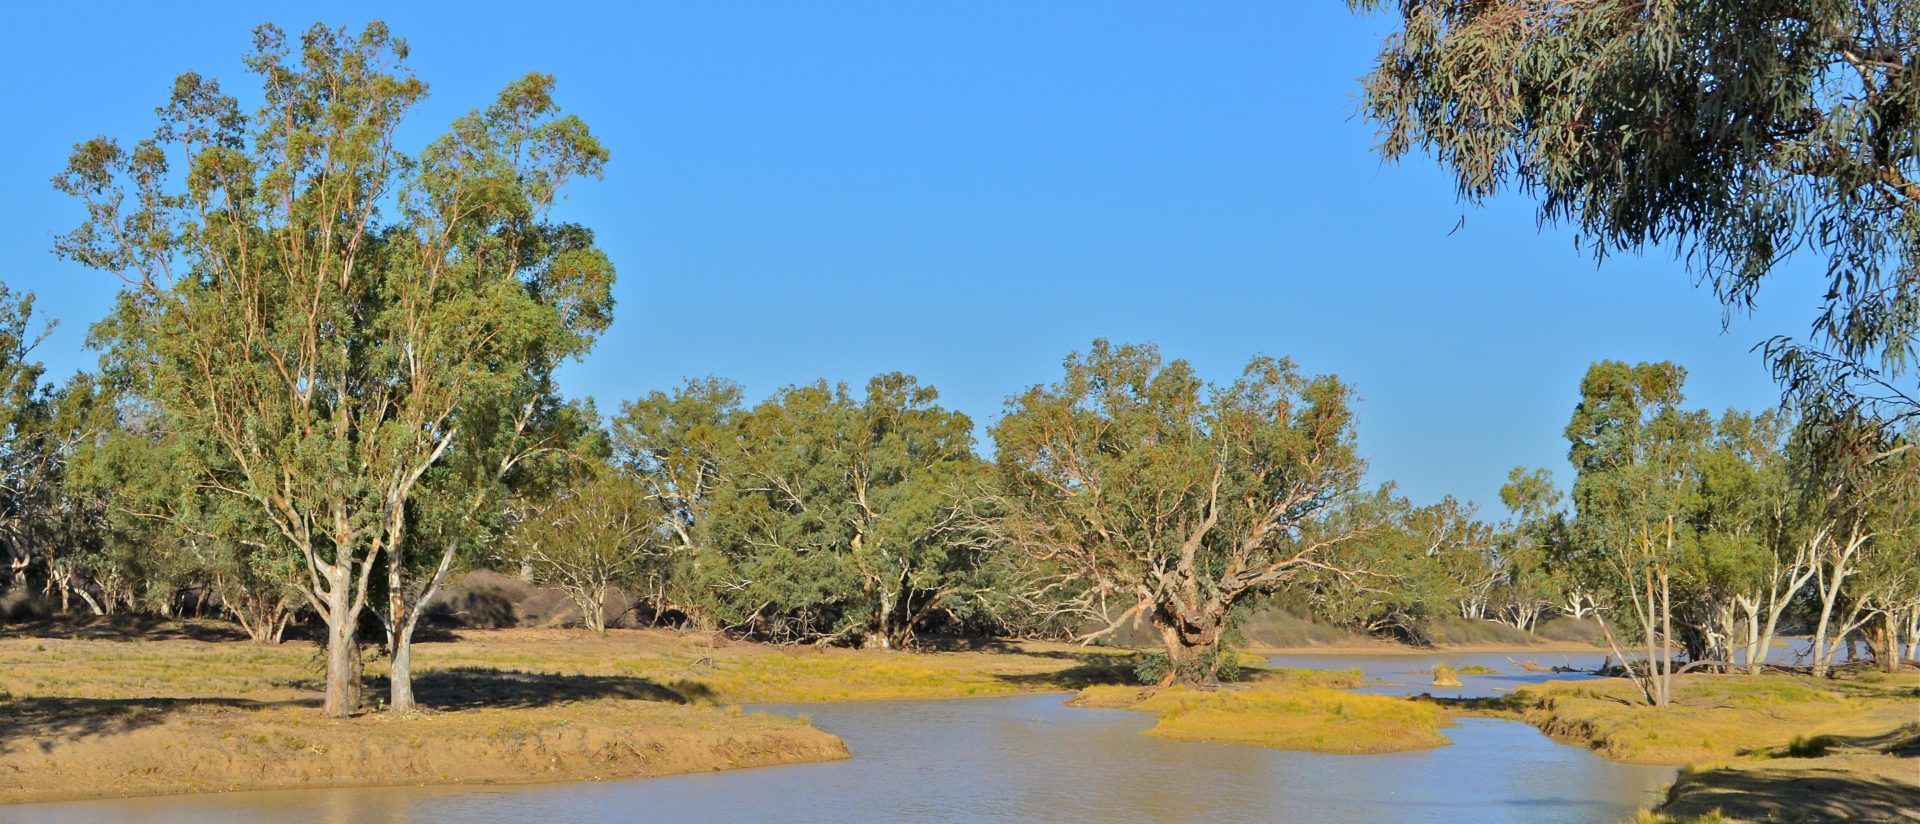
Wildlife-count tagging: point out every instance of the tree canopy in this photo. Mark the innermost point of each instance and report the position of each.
(1736, 134)
(1170, 497)
(335, 323)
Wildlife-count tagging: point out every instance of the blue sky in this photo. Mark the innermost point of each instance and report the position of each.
(968, 192)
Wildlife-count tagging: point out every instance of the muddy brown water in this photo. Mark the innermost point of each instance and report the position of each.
(1022, 758)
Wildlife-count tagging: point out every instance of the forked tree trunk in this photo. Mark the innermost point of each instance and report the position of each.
(1188, 643)
(266, 624)
(1822, 657)
(1830, 588)
(592, 603)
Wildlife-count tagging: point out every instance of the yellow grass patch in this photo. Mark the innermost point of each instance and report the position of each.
(1289, 710)
(1714, 718)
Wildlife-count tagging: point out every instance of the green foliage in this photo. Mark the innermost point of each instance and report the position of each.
(1636, 496)
(676, 445)
(1219, 663)
(849, 516)
(1735, 133)
(358, 342)
(816, 514)
(1535, 547)
(601, 531)
(31, 446)
(1405, 555)
(1133, 487)
(151, 532)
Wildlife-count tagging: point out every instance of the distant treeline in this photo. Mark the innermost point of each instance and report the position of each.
(1130, 491)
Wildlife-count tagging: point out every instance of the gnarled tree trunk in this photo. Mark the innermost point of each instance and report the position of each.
(1191, 638)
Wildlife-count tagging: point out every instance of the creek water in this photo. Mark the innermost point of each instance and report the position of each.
(1488, 673)
(1022, 758)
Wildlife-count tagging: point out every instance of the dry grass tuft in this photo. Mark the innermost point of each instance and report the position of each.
(1284, 709)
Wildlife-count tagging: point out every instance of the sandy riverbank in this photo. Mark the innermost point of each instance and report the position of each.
(92, 711)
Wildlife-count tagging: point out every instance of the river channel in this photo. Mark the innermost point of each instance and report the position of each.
(1022, 758)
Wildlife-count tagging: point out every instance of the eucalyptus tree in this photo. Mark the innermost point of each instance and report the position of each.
(1402, 569)
(1865, 486)
(1636, 496)
(1533, 545)
(1465, 550)
(31, 444)
(1172, 498)
(1737, 530)
(335, 319)
(843, 516)
(1539, 549)
(677, 445)
(1736, 134)
(1758, 535)
(1885, 595)
(594, 534)
(62, 531)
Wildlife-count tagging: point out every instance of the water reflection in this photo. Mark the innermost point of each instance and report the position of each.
(1025, 758)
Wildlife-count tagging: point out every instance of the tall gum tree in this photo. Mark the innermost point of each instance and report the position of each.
(1535, 548)
(1755, 533)
(846, 516)
(33, 447)
(336, 319)
(677, 444)
(1636, 496)
(1861, 484)
(600, 531)
(1163, 496)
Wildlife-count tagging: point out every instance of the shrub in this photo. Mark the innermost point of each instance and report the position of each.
(1809, 746)
(1221, 663)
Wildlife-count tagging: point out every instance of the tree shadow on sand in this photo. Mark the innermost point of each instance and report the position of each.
(1092, 671)
(126, 628)
(1825, 778)
(463, 688)
(1783, 795)
(45, 722)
